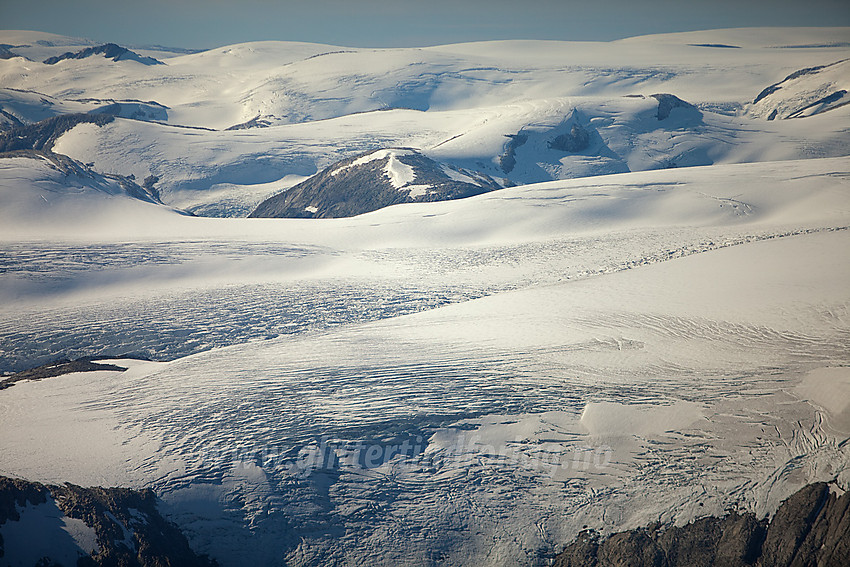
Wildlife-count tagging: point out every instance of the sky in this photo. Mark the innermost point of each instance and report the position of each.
(204, 24)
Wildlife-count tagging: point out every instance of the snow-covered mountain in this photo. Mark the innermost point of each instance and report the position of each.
(805, 92)
(372, 181)
(108, 50)
(42, 188)
(638, 312)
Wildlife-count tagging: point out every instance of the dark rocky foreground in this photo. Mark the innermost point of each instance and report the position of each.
(130, 531)
(810, 529)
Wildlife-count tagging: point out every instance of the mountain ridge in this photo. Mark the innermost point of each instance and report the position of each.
(371, 181)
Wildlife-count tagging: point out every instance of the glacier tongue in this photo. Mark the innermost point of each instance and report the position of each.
(660, 365)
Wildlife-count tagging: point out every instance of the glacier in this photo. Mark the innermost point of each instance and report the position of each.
(652, 328)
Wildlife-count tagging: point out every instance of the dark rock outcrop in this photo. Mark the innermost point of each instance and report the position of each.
(715, 45)
(769, 90)
(15, 493)
(42, 135)
(811, 528)
(58, 368)
(130, 530)
(36, 141)
(135, 110)
(507, 161)
(103, 181)
(667, 102)
(108, 50)
(576, 140)
(372, 181)
(255, 122)
(6, 53)
(803, 93)
(149, 185)
(8, 120)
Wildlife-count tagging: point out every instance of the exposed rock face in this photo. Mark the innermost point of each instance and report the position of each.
(769, 90)
(371, 181)
(108, 50)
(255, 122)
(667, 102)
(715, 45)
(130, 531)
(36, 141)
(806, 92)
(577, 140)
(103, 181)
(16, 493)
(8, 120)
(42, 135)
(507, 161)
(135, 110)
(58, 368)
(6, 53)
(811, 528)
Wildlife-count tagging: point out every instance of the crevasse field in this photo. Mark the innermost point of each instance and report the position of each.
(653, 328)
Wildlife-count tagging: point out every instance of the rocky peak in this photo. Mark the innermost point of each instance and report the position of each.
(374, 180)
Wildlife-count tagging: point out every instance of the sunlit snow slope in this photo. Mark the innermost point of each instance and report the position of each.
(650, 325)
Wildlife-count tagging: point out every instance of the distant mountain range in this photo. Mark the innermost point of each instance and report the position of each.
(108, 50)
(238, 130)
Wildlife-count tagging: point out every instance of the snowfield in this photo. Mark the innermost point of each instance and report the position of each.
(652, 324)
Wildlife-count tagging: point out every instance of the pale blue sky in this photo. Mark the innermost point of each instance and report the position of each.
(393, 23)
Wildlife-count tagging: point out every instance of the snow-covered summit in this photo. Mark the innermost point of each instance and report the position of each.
(372, 181)
(805, 92)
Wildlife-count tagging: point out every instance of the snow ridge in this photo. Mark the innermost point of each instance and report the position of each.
(399, 173)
